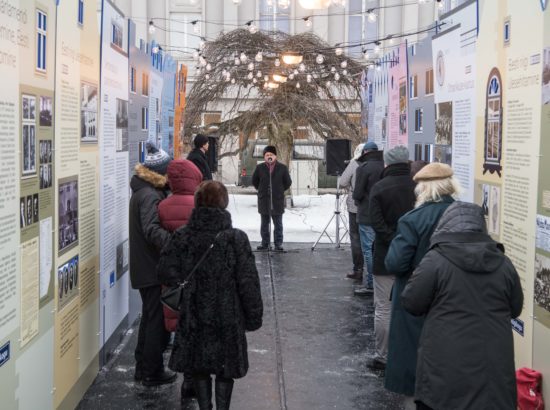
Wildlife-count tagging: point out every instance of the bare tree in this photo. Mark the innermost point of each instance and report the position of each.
(319, 92)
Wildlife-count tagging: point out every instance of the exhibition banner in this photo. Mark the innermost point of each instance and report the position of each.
(179, 110)
(155, 106)
(114, 165)
(167, 109)
(380, 82)
(398, 97)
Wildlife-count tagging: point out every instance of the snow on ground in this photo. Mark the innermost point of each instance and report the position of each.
(304, 222)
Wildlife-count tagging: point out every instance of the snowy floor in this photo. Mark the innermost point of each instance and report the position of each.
(304, 222)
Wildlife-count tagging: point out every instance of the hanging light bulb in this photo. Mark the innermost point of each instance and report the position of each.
(291, 76)
(336, 77)
(295, 72)
(202, 61)
(237, 2)
(279, 78)
(302, 67)
(344, 64)
(332, 69)
(439, 4)
(266, 78)
(207, 76)
(151, 27)
(366, 55)
(259, 74)
(195, 55)
(250, 66)
(328, 84)
(243, 58)
(345, 72)
(308, 22)
(372, 16)
(196, 27)
(277, 62)
(232, 81)
(202, 44)
(254, 81)
(297, 85)
(224, 72)
(292, 58)
(272, 85)
(227, 78)
(309, 78)
(237, 61)
(338, 51)
(259, 57)
(251, 27)
(250, 76)
(208, 67)
(377, 48)
(371, 66)
(265, 86)
(155, 49)
(320, 59)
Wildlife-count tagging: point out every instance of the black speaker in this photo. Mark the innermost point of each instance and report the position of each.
(212, 154)
(337, 153)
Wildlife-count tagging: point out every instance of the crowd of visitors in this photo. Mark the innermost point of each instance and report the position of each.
(442, 288)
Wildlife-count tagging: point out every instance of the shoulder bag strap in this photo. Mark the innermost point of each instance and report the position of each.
(201, 260)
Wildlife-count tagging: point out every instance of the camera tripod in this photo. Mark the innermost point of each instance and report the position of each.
(337, 216)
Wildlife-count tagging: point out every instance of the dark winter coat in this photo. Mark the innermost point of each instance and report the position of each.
(390, 198)
(174, 212)
(222, 300)
(469, 291)
(407, 249)
(184, 178)
(280, 181)
(368, 174)
(198, 158)
(147, 237)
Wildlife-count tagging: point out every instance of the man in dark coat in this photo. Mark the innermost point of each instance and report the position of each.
(368, 174)
(198, 156)
(271, 179)
(147, 238)
(390, 198)
(469, 291)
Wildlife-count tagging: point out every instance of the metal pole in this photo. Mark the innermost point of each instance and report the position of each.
(337, 212)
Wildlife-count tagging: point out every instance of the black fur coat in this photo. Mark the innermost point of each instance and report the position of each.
(222, 300)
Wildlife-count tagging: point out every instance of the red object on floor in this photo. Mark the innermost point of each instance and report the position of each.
(529, 383)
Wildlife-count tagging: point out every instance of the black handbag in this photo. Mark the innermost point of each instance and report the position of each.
(172, 296)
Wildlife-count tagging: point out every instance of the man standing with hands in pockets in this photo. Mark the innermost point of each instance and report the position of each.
(271, 179)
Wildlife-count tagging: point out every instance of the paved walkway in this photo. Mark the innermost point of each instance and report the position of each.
(311, 352)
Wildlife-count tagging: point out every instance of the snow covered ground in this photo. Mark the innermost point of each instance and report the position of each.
(304, 222)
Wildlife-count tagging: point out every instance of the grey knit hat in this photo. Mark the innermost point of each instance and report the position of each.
(396, 155)
(156, 159)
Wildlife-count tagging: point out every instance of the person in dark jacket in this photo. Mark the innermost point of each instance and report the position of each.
(271, 179)
(434, 191)
(368, 174)
(198, 156)
(222, 301)
(390, 198)
(469, 291)
(174, 212)
(147, 237)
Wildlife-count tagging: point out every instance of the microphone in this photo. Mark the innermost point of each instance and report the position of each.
(270, 159)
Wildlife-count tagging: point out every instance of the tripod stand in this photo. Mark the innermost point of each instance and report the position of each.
(337, 216)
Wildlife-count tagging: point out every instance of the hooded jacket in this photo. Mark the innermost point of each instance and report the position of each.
(147, 237)
(222, 300)
(368, 173)
(469, 291)
(184, 178)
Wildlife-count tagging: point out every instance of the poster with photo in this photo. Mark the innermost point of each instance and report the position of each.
(68, 213)
(546, 76)
(88, 112)
(45, 111)
(121, 125)
(28, 135)
(67, 277)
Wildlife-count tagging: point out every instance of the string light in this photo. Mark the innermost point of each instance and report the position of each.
(151, 27)
(371, 15)
(307, 21)
(320, 59)
(251, 66)
(277, 62)
(297, 85)
(259, 57)
(196, 27)
(344, 64)
(284, 4)
(338, 51)
(208, 67)
(302, 67)
(243, 58)
(336, 77)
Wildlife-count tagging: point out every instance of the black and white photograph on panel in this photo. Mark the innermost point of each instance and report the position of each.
(88, 112)
(35, 208)
(45, 111)
(22, 212)
(121, 125)
(444, 123)
(67, 274)
(68, 213)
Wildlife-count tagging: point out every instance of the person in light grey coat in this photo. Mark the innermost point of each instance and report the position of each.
(347, 181)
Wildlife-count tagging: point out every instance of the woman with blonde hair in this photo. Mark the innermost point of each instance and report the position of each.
(435, 191)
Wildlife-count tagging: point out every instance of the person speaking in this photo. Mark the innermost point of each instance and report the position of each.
(271, 179)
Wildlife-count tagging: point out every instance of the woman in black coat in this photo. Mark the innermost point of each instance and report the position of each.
(469, 291)
(222, 300)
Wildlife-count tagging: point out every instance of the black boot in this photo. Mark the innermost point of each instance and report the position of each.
(203, 388)
(224, 388)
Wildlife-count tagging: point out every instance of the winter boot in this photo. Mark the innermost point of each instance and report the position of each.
(203, 387)
(188, 387)
(224, 388)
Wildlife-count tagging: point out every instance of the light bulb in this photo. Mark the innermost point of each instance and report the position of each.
(291, 76)
(344, 64)
(259, 74)
(208, 67)
(338, 51)
(372, 17)
(308, 78)
(254, 81)
(227, 78)
(336, 76)
(195, 55)
(308, 22)
(237, 2)
(202, 44)
(295, 72)
(345, 72)
(237, 61)
(251, 66)
(332, 69)
(207, 76)
(232, 81)
(277, 62)
(320, 59)
(283, 4)
(259, 57)
(366, 55)
(297, 85)
(328, 83)
(377, 49)
(266, 78)
(302, 67)
(151, 27)
(250, 76)
(243, 57)
(196, 28)
(252, 28)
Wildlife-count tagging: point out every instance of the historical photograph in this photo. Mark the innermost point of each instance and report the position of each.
(68, 278)
(68, 213)
(35, 208)
(493, 222)
(45, 111)
(22, 212)
(542, 282)
(444, 123)
(443, 154)
(29, 209)
(121, 125)
(546, 77)
(29, 149)
(88, 113)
